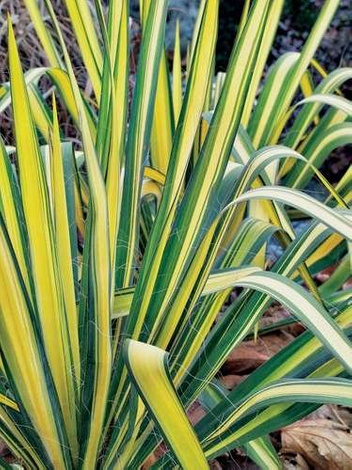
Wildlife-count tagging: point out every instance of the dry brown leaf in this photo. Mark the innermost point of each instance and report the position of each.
(244, 358)
(154, 457)
(344, 416)
(214, 465)
(323, 443)
(251, 354)
(195, 413)
(338, 414)
(3, 449)
(295, 463)
(276, 313)
(231, 381)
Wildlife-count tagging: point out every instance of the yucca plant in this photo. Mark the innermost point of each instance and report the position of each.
(118, 254)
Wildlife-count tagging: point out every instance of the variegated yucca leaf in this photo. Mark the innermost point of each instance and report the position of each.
(119, 249)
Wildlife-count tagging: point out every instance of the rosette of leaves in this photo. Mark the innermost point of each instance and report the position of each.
(117, 254)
